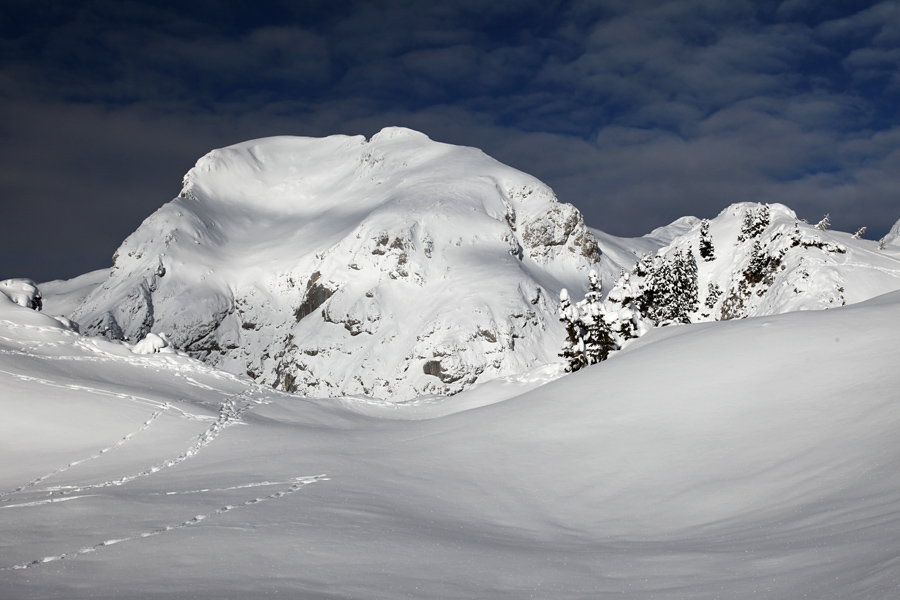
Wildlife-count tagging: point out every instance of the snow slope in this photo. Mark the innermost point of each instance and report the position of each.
(893, 236)
(63, 296)
(753, 458)
(392, 267)
(624, 252)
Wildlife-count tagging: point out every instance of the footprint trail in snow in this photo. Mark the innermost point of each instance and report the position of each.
(299, 482)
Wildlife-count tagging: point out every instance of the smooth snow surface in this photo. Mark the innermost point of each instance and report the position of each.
(63, 296)
(755, 458)
(624, 252)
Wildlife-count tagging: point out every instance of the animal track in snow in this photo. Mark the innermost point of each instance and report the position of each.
(46, 501)
(100, 392)
(127, 437)
(225, 489)
(229, 414)
(298, 483)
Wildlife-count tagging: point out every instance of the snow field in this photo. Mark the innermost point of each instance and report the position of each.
(752, 458)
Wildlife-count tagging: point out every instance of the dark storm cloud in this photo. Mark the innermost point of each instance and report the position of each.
(636, 111)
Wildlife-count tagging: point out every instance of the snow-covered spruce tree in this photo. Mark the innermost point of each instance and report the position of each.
(595, 293)
(756, 268)
(859, 233)
(573, 347)
(713, 291)
(824, 224)
(755, 222)
(624, 317)
(654, 290)
(669, 291)
(598, 340)
(643, 267)
(621, 292)
(763, 218)
(685, 295)
(707, 251)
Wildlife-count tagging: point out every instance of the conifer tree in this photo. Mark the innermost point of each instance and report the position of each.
(687, 289)
(746, 225)
(573, 347)
(756, 268)
(598, 340)
(712, 294)
(796, 236)
(594, 293)
(824, 224)
(707, 251)
(859, 233)
(755, 222)
(763, 218)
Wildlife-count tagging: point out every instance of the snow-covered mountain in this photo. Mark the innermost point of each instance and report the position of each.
(399, 266)
(762, 260)
(390, 267)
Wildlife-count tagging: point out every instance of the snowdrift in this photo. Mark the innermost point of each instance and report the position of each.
(748, 458)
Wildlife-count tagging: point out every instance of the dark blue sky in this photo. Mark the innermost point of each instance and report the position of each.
(638, 112)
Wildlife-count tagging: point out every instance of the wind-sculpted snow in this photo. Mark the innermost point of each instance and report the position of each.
(390, 267)
(750, 458)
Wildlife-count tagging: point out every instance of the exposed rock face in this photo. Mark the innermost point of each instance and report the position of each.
(392, 267)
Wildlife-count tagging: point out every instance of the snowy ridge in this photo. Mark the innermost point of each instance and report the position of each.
(893, 236)
(780, 264)
(392, 267)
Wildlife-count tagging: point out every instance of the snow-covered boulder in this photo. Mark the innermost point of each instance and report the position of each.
(153, 344)
(390, 267)
(23, 292)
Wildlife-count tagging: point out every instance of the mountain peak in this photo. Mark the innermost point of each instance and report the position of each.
(391, 267)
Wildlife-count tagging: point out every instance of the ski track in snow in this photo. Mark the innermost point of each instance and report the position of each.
(299, 482)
